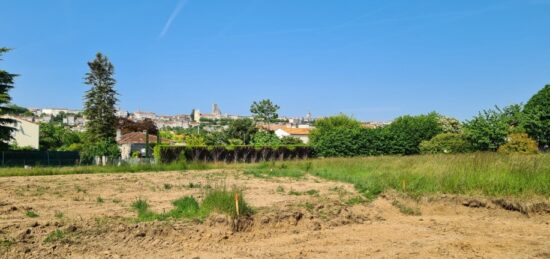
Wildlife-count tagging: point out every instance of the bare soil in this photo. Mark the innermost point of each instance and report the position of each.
(94, 214)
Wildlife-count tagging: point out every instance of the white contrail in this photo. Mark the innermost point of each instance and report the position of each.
(173, 16)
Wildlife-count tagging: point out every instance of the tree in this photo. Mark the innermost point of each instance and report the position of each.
(489, 129)
(100, 100)
(126, 126)
(243, 129)
(409, 131)
(265, 111)
(266, 138)
(58, 137)
(537, 121)
(6, 83)
(336, 136)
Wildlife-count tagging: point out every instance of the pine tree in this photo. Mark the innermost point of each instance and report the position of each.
(100, 100)
(6, 83)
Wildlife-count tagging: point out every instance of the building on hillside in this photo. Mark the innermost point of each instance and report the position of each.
(135, 142)
(300, 133)
(26, 134)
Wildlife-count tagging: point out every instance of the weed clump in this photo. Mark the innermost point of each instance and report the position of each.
(216, 200)
(31, 214)
(54, 236)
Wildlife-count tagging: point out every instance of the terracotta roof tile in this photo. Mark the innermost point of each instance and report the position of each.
(137, 138)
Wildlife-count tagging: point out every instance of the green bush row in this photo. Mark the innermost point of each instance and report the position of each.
(228, 154)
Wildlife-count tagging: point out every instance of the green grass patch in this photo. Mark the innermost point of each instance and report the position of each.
(406, 209)
(216, 200)
(487, 174)
(99, 200)
(59, 215)
(54, 236)
(31, 214)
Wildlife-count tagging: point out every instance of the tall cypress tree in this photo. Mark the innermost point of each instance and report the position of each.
(6, 83)
(100, 100)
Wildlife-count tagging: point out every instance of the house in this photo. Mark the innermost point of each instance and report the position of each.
(26, 132)
(134, 142)
(301, 133)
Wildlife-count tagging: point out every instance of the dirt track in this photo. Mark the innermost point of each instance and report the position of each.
(93, 211)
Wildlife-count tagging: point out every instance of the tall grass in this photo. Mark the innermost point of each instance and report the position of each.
(488, 174)
(216, 201)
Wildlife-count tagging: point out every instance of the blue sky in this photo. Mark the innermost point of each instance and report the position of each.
(371, 59)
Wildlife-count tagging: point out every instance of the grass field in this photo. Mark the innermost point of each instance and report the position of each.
(487, 174)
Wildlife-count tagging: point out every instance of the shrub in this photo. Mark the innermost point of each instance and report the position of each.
(519, 143)
(488, 130)
(537, 123)
(336, 136)
(265, 138)
(169, 154)
(290, 140)
(409, 131)
(446, 143)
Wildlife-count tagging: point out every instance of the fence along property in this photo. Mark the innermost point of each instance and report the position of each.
(34, 158)
(231, 154)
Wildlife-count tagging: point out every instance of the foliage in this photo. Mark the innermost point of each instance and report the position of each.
(247, 153)
(290, 140)
(126, 126)
(266, 138)
(215, 138)
(235, 142)
(446, 143)
(58, 137)
(194, 140)
(537, 112)
(100, 100)
(99, 148)
(265, 111)
(449, 124)
(410, 131)
(15, 109)
(336, 136)
(243, 129)
(519, 143)
(6, 84)
(488, 130)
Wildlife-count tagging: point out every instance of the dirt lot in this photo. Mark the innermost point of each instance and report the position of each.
(295, 218)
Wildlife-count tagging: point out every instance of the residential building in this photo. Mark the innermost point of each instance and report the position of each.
(300, 133)
(134, 142)
(26, 132)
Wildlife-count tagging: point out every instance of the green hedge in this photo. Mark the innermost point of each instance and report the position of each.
(231, 154)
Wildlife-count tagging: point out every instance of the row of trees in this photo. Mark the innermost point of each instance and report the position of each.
(515, 128)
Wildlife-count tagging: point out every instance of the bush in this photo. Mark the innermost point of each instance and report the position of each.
(265, 138)
(519, 143)
(488, 130)
(336, 136)
(537, 111)
(407, 132)
(446, 143)
(290, 140)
